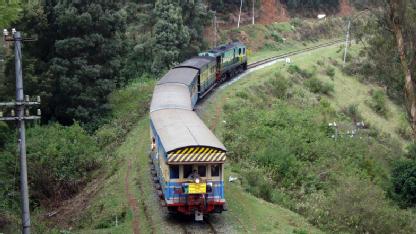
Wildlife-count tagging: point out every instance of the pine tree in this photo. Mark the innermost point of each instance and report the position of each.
(76, 61)
(170, 35)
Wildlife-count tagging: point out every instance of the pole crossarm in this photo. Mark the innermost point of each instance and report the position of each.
(9, 104)
(20, 118)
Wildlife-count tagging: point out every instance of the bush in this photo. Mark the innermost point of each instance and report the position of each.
(404, 129)
(58, 160)
(404, 181)
(358, 206)
(278, 86)
(352, 112)
(330, 71)
(378, 102)
(295, 69)
(316, 86)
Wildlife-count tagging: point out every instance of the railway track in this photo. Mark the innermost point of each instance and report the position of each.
(205, 227)
(285, 55)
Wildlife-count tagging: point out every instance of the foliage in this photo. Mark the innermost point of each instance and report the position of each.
(295, 69)
(10, 11)
(171, 35)
(128, 106)
(378, 102)
(317, 86)
(330, 71)
(404, 182)
(286, 145)
(76, 60)
(359, 206)
(58, 159)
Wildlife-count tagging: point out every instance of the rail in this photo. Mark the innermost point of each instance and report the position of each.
(285, 55)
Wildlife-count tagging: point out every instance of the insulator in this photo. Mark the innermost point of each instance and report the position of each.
(38, 99)
(39, 112)
(27, 98)
(5, 32)
(1, 113)
(13, 114)
(13, 30)
(27, 113)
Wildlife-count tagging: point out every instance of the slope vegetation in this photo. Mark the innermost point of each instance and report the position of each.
(274, 122)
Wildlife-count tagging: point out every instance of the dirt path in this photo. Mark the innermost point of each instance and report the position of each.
(133, 204)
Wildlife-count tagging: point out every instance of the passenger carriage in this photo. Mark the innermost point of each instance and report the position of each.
(187, 157)
(182, 144)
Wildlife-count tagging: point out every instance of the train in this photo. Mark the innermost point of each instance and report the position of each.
(187, 158)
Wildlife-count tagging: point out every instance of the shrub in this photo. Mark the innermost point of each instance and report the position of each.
(352, 112)
(358, 206)
(378, 102)
(330, 71)
(295, 69)
(278, 86)
(316, 86)
(58, 159)
(404, 129)
(296, 22)
(404, 181)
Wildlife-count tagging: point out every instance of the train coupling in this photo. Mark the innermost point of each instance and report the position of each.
(199, 216)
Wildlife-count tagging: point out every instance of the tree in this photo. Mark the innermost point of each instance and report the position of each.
(170, 35)
(401, 15)
(76, 61)
(195, 17)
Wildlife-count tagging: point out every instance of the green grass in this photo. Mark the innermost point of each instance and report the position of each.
(349, 90)
(253, 215)
(288, 47)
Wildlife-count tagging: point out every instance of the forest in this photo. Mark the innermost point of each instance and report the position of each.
(87, 52)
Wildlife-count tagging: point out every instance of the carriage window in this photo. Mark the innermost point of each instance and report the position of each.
(187, 170)
(202, 170)
(216, 170)
(174, 171)
(239, 51)
(244, 50)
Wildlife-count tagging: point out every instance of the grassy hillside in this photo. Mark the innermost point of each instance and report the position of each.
(277, 38)
(121, 198)
(284, 153)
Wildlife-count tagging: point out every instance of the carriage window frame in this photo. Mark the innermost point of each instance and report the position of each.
(217, 172)
(204, 170)
(185, 173)
(174, 172)
(239, 51)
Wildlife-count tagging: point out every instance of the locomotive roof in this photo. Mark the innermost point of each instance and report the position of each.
(225, 47)
(179, 128)
(171, 95)
(197, 62)
(181, 75)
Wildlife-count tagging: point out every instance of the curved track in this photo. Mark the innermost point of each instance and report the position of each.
(215, 223)
(285, 55)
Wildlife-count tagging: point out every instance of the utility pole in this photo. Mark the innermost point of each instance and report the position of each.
(22, 114)
(347, 40)
(252, 11)
(239, 15)
(215, 29)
